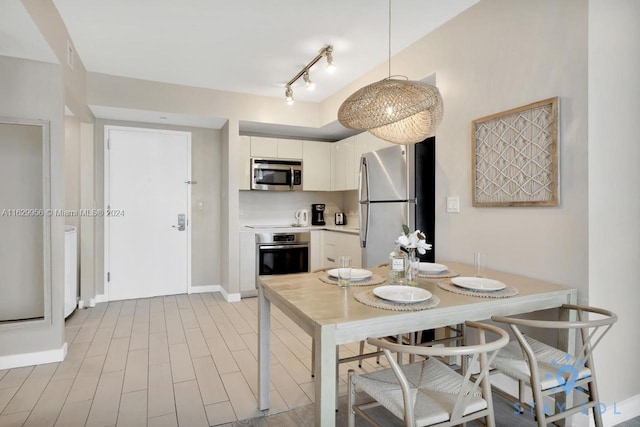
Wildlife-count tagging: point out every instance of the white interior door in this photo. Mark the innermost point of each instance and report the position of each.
(148, 173)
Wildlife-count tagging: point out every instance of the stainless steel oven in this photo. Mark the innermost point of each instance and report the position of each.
(282, 253)
(274, 174)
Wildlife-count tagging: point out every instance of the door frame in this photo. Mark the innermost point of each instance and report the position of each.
(106, 201)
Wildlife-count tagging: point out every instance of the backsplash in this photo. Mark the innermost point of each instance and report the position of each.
(274, 207)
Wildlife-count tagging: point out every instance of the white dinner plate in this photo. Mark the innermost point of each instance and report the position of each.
(478, 283)
(406, 294)
(356, 273)
(431, 268)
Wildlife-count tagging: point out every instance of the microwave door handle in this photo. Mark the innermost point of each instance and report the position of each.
(291, 179)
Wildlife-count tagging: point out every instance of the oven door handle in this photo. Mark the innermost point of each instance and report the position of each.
(282, 246)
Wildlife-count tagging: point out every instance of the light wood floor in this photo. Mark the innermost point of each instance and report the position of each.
(187, 360)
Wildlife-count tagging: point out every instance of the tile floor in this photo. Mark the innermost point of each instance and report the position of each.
(187, 360)
(180, 360)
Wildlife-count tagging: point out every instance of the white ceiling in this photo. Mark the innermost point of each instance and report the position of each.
(246, 46)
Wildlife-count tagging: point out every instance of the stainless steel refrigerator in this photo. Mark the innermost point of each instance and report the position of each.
(397, 186)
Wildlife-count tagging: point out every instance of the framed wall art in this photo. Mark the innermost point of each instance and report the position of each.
(515, 156)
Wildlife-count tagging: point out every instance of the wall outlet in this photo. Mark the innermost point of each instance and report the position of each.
(453, 204)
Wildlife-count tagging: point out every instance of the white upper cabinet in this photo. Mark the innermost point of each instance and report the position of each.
(289, 149)
(276, 148)
(350, 166)
(244, 168)
(264, 147)
(376, 143)
(316, 166)
(361, 146)
(338, 164)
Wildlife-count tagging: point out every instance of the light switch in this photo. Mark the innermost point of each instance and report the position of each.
(453, 204)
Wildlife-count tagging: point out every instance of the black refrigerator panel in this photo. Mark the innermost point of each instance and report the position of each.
(425, 187)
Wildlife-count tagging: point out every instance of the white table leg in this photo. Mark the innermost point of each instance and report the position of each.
(325, 379)
(264, 349)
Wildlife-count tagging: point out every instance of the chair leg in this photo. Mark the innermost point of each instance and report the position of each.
(593, 396)
(361, 353)
(521, 388)
(351, 394)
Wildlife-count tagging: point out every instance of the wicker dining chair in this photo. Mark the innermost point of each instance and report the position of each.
(430, 393)
(550, 371)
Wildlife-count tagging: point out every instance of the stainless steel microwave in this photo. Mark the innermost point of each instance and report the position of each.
(276, 175)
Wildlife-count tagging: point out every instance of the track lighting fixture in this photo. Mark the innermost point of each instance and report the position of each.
(304, 73)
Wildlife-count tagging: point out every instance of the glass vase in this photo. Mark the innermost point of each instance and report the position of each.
(412, 267)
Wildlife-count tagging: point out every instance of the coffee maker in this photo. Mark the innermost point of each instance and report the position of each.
(317, 214)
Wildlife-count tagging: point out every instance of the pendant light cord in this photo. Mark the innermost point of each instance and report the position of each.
(389, 38)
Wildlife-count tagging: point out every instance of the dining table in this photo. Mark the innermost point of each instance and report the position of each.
(332, 315)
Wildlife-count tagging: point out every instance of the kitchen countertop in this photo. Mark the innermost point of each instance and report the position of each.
(339, 228)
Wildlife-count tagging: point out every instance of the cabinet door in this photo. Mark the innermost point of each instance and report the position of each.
(289, 149)
(350, 168)
(316, 166)
(316, 249)
(247, 261)
(361, 146)
(264, 147)
(376, 143)
(244, 166)
(337, 166)
(329, 253)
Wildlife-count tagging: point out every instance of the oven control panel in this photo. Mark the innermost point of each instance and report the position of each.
(263, 238)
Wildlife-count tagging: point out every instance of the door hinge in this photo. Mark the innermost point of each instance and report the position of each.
(108, 276)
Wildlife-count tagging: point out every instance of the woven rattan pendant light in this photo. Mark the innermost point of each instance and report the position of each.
(395, 109)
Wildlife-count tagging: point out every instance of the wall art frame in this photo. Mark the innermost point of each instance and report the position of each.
(515, 156)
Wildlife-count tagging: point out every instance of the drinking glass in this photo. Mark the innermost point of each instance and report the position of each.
(480, 262)
(344, 271)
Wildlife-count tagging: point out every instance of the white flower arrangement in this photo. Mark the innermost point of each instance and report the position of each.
(415, 240)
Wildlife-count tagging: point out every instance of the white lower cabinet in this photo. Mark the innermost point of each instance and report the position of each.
(247, 263)
(316, 249)
(337, 244)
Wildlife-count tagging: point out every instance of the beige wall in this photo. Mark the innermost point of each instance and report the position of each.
(206, 155)
(72, 168)
(33, 90)
(614, 176)
(122, 92)
(497, 55)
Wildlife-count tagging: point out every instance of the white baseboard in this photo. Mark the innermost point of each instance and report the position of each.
(36, 358)
(235, 297)
(612, 413)
(204, 288)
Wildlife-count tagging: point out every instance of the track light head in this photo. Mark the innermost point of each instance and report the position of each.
(307, 80)
(288, 94)
(331, 67)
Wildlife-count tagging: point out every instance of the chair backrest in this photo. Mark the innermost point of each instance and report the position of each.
(478, 352)
(591, 330)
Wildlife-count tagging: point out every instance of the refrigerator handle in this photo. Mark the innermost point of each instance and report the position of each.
(364, 184)
(364, 223)
(363, 178)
